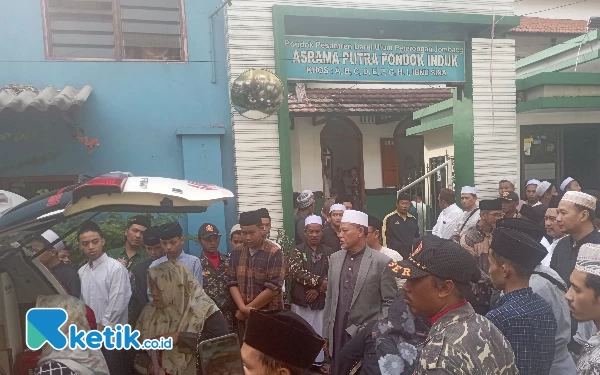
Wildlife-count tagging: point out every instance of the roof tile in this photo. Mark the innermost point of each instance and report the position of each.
(551, 26)
(367, 100)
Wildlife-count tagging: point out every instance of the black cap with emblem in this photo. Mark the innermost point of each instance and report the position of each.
(439, 257)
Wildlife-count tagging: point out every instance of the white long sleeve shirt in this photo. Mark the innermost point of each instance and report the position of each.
(105, 288)
(550, 247)
(447, 221)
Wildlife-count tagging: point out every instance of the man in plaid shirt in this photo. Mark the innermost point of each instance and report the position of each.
(523, 317)
(256, 272)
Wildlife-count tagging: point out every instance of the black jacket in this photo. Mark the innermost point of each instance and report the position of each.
(308, 270)
(398, 234)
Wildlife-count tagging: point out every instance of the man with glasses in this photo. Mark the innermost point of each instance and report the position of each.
(478, 240)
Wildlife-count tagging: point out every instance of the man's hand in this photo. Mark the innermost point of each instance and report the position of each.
(246, 310)
(311, 295)
(326, 348)
(323, 287)
(99, 327)
(240, 316)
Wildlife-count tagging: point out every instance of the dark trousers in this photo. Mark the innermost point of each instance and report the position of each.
(120, 362)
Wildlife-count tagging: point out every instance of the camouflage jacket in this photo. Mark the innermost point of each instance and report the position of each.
(215, 284)
(465, 343)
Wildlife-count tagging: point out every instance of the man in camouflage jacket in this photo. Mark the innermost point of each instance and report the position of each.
(460, 341)
(214, 271)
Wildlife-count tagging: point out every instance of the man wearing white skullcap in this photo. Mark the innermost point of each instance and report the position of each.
(470, 217)
(306, 207)
(361, 287)
(65, 274)
(570, 184)
(308, 266)
(531, 193)
(545, 191)
(331, 229)
(584, 302)
(575, 217)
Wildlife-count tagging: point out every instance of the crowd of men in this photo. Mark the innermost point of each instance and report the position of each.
(502, 286)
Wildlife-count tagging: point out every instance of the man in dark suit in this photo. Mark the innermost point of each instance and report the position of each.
(360, 285)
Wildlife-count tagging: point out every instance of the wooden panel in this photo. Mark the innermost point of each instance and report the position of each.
(389, 162)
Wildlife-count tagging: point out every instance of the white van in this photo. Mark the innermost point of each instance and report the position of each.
(23, 278)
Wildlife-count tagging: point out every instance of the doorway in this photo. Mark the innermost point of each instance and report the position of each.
(342, 142)
(581, 155)
(553, 152)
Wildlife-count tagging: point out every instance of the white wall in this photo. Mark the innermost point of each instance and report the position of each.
(543, 9)
(527, 45)
(438, 142)
(306, 153)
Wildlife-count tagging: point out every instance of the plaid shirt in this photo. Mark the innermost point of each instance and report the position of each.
(527, 322)
(254, 273)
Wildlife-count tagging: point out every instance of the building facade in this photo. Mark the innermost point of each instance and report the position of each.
(89, 87)
(290, 152)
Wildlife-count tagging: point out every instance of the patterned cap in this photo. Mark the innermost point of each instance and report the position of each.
(510, 196)
(207, 230)
(588, 260)
(581, 199)
(305, 199)
(439, 257)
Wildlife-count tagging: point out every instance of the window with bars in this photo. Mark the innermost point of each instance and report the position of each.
(115, 29)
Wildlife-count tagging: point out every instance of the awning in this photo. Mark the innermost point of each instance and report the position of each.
(21, 97)
(366, 101)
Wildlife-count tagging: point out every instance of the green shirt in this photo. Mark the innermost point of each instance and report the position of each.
(121, 255)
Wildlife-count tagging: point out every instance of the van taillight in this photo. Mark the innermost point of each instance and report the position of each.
(111, 183)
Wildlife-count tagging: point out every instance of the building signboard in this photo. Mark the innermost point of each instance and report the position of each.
(374, 60)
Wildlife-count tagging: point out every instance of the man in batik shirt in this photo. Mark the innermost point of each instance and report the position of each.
(477, 240)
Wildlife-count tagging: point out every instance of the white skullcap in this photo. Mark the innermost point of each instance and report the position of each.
(542, 188)
(355, 217)
(234, 229)
(50, 236)
(534, 182)
(567, 181)
(581, 199)
(588, 259)
(337, 207)
(468, 190)
(512, 180)
(305, 199)
(313, 219)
